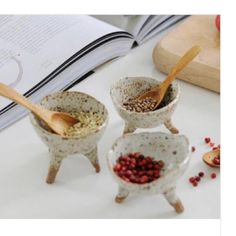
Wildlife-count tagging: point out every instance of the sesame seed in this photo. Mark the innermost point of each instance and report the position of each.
(88, 122)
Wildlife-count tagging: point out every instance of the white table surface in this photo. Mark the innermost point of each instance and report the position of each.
(81, 193)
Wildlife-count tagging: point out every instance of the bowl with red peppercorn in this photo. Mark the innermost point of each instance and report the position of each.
(139, 115)
(149, 163)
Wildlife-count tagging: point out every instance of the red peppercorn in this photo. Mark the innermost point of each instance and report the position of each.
(118, 167)
(132, 178)
(128, 173)
(137, 168)
(157, 167)
(156, 173)
(191, 179)
(132, 166)
(141, 173)
(122, 163)
(135, 155)
(150, 173)
(133, 161)
(200, 174)
(143, 162)
(207, 140)
(195, 183)
(150, 166)
(193, 149)
(213, 175)
(216, 160)
(149, 159)
(144, 179)
(197, 178)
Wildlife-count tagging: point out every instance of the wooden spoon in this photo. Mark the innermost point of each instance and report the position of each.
(209, 156)
(59, 122)
(158, 92)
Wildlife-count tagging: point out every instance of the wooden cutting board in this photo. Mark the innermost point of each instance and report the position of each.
(204, 70)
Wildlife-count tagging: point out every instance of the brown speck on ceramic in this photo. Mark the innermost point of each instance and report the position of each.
(61, 147)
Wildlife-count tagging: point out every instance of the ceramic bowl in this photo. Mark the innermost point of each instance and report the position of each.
(172, 149)
(60, 147)
(131, 87)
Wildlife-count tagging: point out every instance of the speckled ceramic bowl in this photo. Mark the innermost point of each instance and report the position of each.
(60, 147)
(172, 149)
(131, 87)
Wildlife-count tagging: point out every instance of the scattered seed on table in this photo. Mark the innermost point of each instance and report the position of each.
(213, 175)
(191, 180)
(201, 174)
(197, 178)
(207, 140)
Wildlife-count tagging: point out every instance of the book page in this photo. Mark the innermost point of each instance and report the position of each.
(130, 23)
(31, 47)
(158, 25)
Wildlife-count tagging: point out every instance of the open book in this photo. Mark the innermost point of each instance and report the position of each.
(43, 54)
(142, 27)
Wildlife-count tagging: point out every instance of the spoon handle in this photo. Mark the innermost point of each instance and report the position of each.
(181, 64)
(13, 95)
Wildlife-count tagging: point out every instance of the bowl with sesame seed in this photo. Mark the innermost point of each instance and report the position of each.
(81, 138)
(138, 114)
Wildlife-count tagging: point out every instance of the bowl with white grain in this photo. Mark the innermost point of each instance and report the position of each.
(128, 88)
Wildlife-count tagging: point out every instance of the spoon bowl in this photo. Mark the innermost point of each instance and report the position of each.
(59, 122)
(209, 156)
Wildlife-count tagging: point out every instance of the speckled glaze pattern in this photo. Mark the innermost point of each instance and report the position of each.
(172, 149)
(60, 147)
(131, 87)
